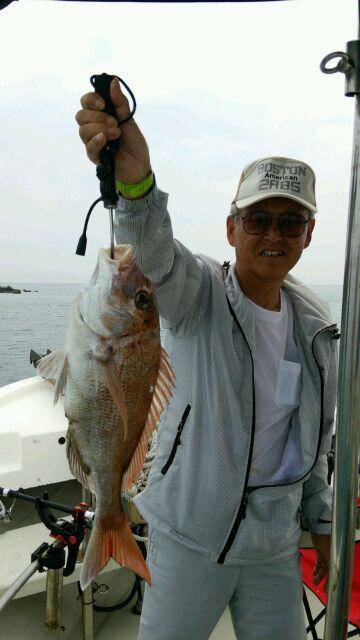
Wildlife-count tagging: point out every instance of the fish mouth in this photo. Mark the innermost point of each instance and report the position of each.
(123, 255)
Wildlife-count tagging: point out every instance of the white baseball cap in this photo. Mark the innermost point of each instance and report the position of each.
(276, 177)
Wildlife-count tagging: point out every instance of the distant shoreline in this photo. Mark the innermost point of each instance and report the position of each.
(8, 289)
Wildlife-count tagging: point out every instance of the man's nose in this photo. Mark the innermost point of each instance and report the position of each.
(273, 231)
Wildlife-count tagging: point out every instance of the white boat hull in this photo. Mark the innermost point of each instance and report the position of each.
(30, 430)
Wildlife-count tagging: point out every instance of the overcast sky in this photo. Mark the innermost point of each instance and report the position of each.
(218, 85)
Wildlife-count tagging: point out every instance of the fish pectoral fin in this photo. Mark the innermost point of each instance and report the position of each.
(109, 376)
(54, 367)
(161, 397)
(78, 467)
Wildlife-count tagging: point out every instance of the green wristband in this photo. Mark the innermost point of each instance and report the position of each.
(135, 190)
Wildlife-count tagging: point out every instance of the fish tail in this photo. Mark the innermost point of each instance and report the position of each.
(112, 538)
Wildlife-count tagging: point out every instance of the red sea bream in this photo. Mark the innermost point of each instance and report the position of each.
(116, 379)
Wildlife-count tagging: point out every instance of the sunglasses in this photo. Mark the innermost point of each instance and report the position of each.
(291, 225)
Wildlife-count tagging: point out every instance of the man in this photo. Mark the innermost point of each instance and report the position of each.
(241, 450)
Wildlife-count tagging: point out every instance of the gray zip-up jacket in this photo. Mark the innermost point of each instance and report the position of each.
(198, 485)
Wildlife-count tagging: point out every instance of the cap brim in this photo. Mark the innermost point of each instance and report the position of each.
(245, 202)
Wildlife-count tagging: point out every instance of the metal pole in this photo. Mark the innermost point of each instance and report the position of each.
(87, 597)
(111, 221)
(25, 575)
(347, 436)
(54, 588)
(54, 592)
(18, 583)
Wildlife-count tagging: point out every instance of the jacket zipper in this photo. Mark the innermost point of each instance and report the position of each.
(241, 514)
(177, 440)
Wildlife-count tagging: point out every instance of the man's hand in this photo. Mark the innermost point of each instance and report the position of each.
(132, 161)
(322, 544)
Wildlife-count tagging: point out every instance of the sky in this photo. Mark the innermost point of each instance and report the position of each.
(218, 85)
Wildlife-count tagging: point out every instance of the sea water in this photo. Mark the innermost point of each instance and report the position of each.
(37, 320)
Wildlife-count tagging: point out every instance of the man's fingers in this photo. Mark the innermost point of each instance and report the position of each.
(88, 116)
(319, 577)
(94, 147)
(92, 103)
(95, 102)
(96, 128)
(96, 143)
(119, 100)
(88, 131)
(92, 100)
(320, 570)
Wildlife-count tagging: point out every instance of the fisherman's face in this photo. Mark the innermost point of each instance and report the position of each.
(249, 249)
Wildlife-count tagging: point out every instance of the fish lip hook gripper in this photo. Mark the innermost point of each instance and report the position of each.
(105, 171)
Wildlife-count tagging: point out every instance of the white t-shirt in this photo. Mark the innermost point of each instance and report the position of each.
(277, 386)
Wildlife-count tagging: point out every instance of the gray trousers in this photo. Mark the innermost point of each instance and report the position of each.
(189, 593)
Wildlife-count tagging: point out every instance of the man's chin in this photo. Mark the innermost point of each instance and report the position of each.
(273, 272)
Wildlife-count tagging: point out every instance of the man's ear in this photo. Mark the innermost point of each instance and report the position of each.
(310, 228)
(230, 225)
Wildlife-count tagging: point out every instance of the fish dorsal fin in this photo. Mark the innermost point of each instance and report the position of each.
(161, 397)
(54, 367)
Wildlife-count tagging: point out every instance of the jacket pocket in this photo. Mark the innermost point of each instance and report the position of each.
(288, 384)
(272, 523)
(177, 440)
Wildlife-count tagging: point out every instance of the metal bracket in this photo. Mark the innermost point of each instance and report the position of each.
(348, 64)
(100, 588)
(5, 514)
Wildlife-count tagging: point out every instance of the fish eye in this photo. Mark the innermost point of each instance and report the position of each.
(142, 299)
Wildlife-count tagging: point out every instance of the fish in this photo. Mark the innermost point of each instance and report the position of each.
(116, 380)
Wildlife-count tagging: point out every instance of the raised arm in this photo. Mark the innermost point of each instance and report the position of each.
(142, 220)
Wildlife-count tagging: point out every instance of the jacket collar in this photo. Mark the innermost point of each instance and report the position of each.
(311, 313)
